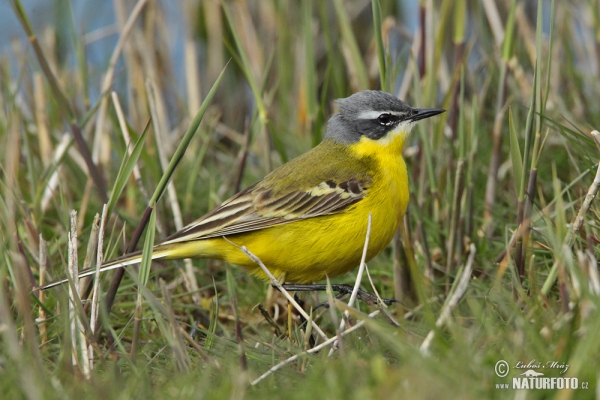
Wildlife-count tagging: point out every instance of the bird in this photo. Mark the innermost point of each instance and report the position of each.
(307, 219)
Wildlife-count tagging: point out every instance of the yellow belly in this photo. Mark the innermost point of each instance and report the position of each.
(309, 250)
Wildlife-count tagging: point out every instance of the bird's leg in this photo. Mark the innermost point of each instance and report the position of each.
(341, 289)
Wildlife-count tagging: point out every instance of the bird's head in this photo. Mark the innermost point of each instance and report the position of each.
(372, 115)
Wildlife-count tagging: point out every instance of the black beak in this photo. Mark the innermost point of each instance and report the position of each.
(422, 113)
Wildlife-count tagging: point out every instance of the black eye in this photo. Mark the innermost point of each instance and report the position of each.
(385, 119)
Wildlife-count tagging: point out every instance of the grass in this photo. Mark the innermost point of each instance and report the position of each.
(496, 259)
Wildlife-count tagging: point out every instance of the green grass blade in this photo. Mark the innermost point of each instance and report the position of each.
(144, 272)
(528, 136)
(460, 17)
(309, 62)
(509, 33)
(350, 41)
(125, 170)
(376, 7)
(515, 154)
(246, 67)
(185, 141)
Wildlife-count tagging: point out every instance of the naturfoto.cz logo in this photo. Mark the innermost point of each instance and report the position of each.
(532, 379)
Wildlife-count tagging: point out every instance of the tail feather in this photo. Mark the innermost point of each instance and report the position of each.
(123, 261)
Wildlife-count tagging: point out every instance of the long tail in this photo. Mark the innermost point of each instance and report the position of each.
(123, 261)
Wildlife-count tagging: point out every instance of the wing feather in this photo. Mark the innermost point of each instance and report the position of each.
(297, 190)
(259, 208)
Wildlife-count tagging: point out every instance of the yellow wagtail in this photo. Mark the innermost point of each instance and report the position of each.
(308, 218)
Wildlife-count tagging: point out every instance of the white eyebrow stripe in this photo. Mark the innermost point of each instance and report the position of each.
(372, 114)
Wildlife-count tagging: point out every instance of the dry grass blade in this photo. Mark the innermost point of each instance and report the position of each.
(90, 253)
(587, 202)
(54, 180)
(362, 266)
(79, 356)
(493, 16)
(459, 185)
(361, 271)
(380, 302)
(596, 136)
(29, 381)
(100, 136)
(96, 288)
(453, 299)
(43, 265)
